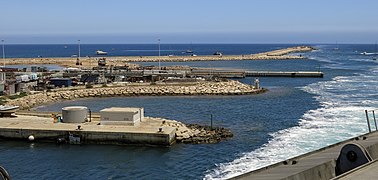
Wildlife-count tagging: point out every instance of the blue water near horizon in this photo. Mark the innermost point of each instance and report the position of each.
(300, 114)
(68, 50)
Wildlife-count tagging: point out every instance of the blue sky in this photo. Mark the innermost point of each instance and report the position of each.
(197, 21)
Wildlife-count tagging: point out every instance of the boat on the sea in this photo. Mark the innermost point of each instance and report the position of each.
(218, 53)
(8, 109)
(189, 51)
(99, 52)
(337, 46)
(367, 53)
(375, 49)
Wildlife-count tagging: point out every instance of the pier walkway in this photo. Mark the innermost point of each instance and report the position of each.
(284, 74)
(242, 74)
(44, 129)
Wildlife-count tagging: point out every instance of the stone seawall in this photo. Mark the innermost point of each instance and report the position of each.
(203, 88)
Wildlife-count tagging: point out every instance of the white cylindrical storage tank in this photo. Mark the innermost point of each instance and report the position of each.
(74, 114)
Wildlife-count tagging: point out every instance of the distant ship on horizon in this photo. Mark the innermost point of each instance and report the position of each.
(99, 52)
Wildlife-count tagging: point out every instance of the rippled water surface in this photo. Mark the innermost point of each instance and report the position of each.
(300, 114)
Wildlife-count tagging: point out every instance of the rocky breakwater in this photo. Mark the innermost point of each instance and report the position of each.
(201, 88)
(197, 134)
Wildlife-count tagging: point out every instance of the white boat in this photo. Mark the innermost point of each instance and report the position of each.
(8, 109)
(367, 53)
(99, 52)
(218, 53)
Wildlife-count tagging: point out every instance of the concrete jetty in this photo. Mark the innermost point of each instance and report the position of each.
(314, 74)
(280, 54)
(45, 130)
(242, 74)
(42, 127)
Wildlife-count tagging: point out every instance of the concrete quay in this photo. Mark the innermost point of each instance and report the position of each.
(243, 74)
(42, 127)
(313, 74)
(280, 54)
(321, 164)
(45, 130)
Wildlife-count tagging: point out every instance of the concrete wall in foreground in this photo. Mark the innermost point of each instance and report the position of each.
(316, 165)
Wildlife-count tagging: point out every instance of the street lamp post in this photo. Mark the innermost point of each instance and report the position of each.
(159, 52)
(79, 47)
(2, 41)
(78, 58)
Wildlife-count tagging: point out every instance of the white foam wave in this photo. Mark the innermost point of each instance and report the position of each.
(341, 116)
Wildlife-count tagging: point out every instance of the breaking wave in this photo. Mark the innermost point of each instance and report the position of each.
(340, 116)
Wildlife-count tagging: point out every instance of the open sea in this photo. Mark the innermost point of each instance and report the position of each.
(295, 116)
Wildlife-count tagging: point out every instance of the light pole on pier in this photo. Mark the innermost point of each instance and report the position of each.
(159, 52)
(2, 42)
(78, 58)
(79, 47)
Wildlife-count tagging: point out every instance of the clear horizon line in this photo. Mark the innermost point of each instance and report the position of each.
(267, 43)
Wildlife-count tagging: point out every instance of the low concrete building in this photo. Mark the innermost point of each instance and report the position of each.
(122, 116)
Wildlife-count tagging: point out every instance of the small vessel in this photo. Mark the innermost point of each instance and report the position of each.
(218, 53)
(99, 52)
(375, 49)
(337, 46)
(367, 53)
(8, 109)
(189, 51)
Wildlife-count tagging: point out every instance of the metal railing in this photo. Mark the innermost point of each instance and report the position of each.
(4, 174)
(372, 112)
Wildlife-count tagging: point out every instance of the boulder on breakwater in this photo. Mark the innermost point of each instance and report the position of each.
(198, 134)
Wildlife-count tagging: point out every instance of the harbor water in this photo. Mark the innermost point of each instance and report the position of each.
(295, 116)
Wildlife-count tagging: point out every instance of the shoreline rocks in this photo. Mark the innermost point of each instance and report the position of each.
(198, 134)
